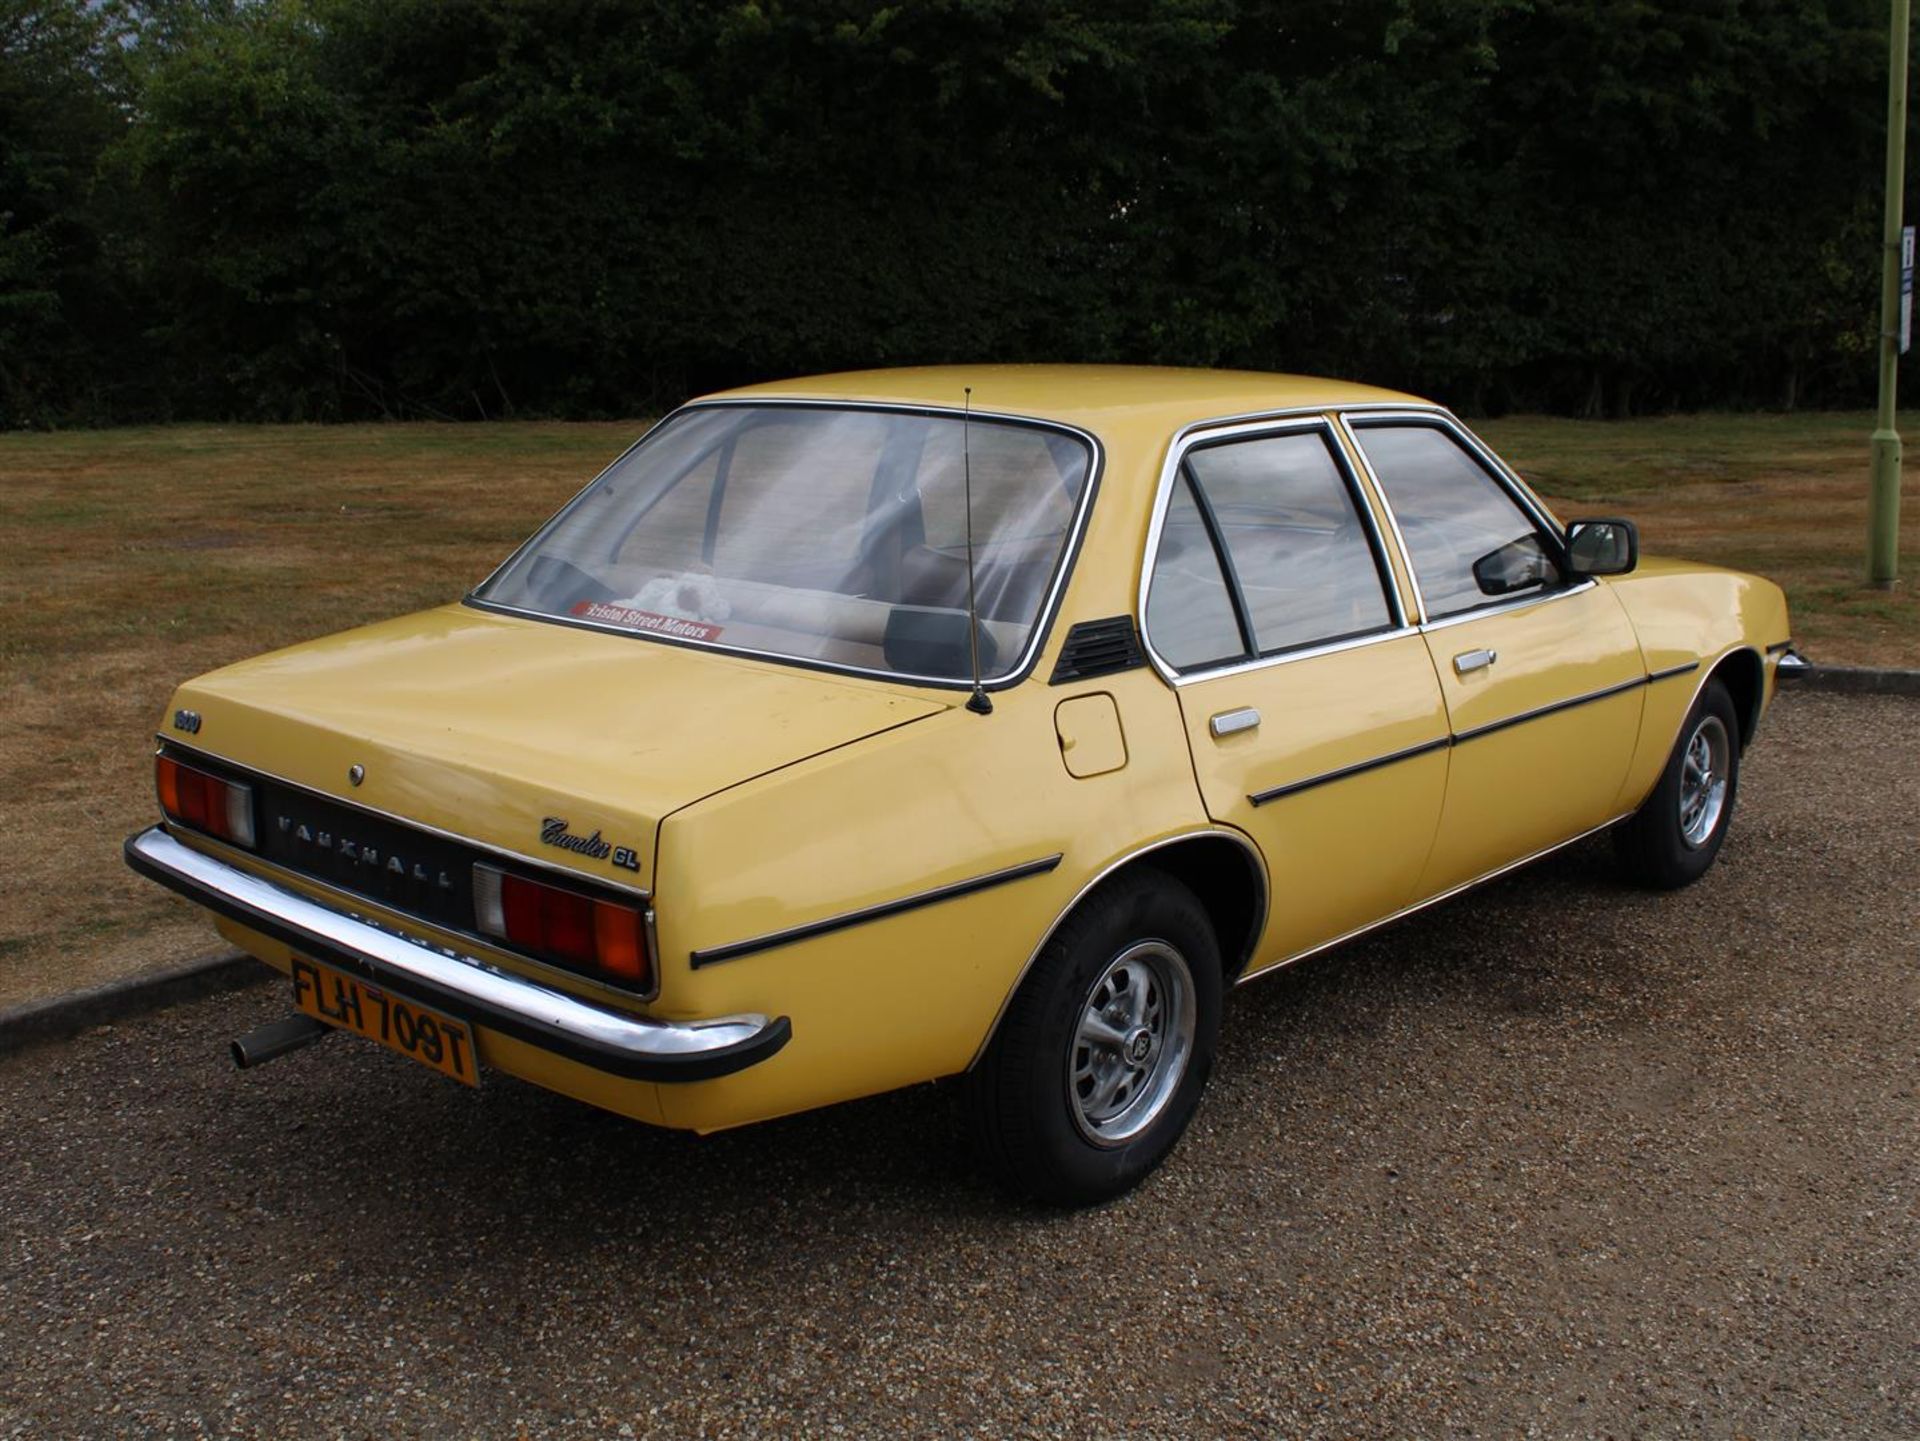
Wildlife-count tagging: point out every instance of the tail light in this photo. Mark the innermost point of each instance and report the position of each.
(219, 807)
(605, 938)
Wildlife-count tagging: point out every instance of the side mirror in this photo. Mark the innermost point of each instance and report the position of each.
(1602, 547)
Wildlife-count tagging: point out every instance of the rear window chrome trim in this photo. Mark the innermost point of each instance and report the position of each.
(1043, 623)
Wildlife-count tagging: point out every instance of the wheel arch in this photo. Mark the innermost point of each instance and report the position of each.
(1744, 674)
(1221, 867)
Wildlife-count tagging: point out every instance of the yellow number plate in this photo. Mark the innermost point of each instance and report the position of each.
(429, 1037)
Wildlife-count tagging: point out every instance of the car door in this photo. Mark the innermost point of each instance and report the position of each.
(1543, 674)
(1314, 718)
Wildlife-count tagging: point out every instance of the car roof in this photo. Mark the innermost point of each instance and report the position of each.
(1095, 397)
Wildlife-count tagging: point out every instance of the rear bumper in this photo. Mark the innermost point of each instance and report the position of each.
(632, 1047)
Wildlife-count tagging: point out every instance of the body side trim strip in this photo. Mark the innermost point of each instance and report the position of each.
(1260, 798)
(1294, 787)
(733, 950)
(1540, 712)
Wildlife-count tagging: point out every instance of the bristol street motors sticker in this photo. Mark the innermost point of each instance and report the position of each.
(608, 613)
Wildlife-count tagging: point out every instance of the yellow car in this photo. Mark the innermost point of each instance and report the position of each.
(858, 731)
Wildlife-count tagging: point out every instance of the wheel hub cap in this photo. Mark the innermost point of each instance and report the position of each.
(1139, 1047)
(1703, 781)
(1129, 1053)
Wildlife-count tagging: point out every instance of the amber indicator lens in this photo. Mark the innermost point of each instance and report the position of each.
(599, 936)
(205, 802)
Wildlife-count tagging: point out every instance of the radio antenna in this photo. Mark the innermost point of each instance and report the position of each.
(977, 702)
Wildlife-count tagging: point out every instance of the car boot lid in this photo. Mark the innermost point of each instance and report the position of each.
(568, 746)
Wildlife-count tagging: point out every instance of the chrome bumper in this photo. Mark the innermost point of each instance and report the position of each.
(634, 1047)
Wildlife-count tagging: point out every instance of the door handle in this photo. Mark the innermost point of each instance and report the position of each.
(1469, 661)
(1230, 721)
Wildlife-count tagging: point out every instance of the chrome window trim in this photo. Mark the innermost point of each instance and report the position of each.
(1043, 621)
(639, 892)
(1443, 419)
(1263, 662)
(1308, 412)
(567, 505)
(1378, 495)
(1280, 422)
(1515, 489)
(1505, 607)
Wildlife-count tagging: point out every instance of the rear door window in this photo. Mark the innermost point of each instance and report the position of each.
(1265, 548)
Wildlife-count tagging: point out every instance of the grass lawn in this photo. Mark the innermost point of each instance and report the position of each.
(136, 558)
(1784, 495)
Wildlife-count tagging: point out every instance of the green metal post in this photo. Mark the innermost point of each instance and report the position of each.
(1883, 516)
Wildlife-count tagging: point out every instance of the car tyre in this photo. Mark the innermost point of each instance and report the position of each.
(1105, 1049)
(1673, 838)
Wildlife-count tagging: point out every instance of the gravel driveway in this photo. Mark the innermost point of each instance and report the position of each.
(1558, 1159)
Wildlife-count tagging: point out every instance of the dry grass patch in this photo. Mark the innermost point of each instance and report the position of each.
(136, 558)
(1784, 495)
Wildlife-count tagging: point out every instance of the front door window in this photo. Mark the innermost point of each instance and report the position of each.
(1470, 543)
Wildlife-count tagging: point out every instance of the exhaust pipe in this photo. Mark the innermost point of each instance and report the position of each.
(272, 1041)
